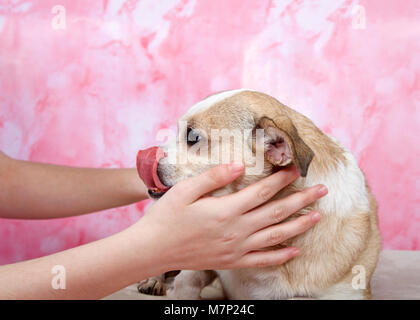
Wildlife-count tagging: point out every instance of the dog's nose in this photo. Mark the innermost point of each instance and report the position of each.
(160, 173)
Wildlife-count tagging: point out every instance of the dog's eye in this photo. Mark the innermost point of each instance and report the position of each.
(192, 137)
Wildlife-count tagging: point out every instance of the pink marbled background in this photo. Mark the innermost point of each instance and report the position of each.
(96, 92)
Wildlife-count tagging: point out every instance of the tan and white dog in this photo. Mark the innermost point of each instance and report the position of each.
(343, 245)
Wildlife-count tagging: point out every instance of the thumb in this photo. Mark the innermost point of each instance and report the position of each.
(193, 188)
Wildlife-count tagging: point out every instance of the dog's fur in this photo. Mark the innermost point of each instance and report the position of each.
(347, 234)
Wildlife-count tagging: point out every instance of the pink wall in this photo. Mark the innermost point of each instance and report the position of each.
(96, 92)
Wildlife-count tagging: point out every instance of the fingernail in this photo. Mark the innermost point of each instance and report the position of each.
(322, 190)
(236, 166)
(294, 252)
(316, 217)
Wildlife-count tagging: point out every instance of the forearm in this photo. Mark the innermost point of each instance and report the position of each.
(39, 191)
(92, 271)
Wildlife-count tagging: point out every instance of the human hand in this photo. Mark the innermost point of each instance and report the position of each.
(194, 233)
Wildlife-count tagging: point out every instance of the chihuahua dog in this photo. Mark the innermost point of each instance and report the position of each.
(337, 256)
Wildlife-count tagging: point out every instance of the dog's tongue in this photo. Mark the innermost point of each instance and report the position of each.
(147, 162)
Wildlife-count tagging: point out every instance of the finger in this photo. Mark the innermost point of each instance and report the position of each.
(276, 211)
(193, 188)
(262, 259)
(280, 233)
(261, 191)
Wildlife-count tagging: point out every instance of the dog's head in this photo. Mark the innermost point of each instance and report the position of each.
(235, 125)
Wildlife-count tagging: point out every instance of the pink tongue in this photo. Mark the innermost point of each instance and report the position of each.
(147, 162)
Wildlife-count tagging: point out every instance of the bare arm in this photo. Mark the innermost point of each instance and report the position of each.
(181, 231)
(39, 191)
(91, 271)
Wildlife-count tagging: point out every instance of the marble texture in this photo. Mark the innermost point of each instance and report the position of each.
(94, 93)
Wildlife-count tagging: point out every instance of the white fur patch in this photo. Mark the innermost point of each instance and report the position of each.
(347, 192)
(341, 291)
(211, 100)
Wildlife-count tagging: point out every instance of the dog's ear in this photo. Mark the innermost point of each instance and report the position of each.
(283, 145)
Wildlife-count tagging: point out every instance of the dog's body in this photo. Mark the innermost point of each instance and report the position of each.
(339, 254)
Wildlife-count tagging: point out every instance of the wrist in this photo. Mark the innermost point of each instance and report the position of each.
(145, 250)
(136, 190)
